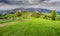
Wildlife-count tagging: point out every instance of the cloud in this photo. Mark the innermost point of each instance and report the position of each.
(8, 7)
(22, 1)
(12, 4)
(27, 2)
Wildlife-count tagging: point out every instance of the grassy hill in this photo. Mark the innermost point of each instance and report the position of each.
(34, 27)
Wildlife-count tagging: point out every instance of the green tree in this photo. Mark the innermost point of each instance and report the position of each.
(18, 13)
(53, 14)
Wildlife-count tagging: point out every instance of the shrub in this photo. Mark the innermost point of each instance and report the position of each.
(10, 16)
(35, 14)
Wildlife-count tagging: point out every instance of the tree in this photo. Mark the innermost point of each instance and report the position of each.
(18, 13)
(53, 14)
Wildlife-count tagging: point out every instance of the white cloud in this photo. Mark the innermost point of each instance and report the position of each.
(40, 5)
(8, 7)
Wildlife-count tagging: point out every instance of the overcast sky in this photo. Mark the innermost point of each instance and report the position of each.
(12, 4)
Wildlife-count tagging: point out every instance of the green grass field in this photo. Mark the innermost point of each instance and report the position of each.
(34, 27)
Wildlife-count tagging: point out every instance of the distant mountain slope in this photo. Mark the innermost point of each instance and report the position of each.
(26, 9)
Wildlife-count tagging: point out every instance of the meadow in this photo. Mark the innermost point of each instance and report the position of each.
(31, 24)
(34, 27)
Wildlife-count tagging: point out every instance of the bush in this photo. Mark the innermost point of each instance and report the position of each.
(10, 16)
(36, 15)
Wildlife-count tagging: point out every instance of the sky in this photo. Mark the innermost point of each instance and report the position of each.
(12, 4)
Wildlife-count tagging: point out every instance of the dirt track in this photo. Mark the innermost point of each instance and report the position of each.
(12, 23)
(9, 23)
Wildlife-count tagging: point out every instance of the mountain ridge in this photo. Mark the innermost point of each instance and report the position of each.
(12, 11)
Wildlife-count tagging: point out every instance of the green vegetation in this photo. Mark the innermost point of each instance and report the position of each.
(18, 13)
(29, 15)
(6, 21)
(34, 27)
(53, 14)
(36, 14)
(31, 24)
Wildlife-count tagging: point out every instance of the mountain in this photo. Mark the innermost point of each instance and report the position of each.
(26, 9)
